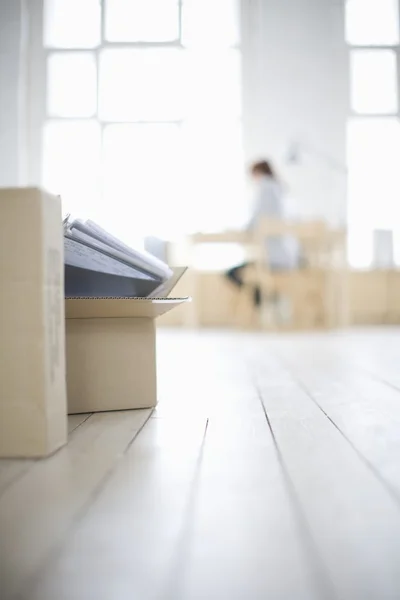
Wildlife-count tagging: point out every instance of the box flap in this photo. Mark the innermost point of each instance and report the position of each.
(164, 290)
(98, 308)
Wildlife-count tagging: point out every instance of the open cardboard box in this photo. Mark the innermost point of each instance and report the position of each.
(111, 350)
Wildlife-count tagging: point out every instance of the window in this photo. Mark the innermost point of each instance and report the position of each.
(372, 22)
(72, 23)
(374, 81)
(373, 138)
(141, 85)
(214, 148)
(71, 166)
(220, 19)
(213, 84)
(143, 126)
(142, 165)
(142, 20)
(68, 71)
(374, 156)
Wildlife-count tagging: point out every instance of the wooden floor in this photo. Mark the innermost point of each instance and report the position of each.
(270, 471)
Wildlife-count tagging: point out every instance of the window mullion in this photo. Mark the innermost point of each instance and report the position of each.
(103, 22)
(180, 9)
(97, 83)
(397, 50)
(102, 40)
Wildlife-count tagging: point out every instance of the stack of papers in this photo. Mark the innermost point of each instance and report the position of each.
(99, 265)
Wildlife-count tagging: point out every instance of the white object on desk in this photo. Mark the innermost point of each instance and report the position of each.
(383, 254)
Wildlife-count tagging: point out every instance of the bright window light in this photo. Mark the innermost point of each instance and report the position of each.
(71, 164)
(142, 20)
(360, 247)
(214, 166)
(374, 183)
(372, 22)
(141, 84)
(144, 135)
(213, 84)
(210, 23)
(374, 81)
(71, 84)
(72, 23)
(142, 174)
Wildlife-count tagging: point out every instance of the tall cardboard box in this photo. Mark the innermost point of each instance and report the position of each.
(111, 352)
(33, 420)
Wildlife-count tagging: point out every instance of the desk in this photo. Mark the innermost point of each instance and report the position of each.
(242, 238)
(323, 282)
(225, 237)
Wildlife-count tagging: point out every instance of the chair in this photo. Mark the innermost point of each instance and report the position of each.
(308, 291)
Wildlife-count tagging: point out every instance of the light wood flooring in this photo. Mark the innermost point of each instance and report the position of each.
(269, 471)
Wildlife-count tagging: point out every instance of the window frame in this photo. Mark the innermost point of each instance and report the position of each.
(43, 117)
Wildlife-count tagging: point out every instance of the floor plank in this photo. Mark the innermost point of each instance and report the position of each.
(245, 539)
(353, 520)
(269, 470)
(41, 507)
(377, 352)
(124, 546)
(75, 421)
(219, 525)
(365, 410)
(209, 516)
(11, 470)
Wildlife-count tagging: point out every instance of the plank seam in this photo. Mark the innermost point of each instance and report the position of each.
(318, 569)
(80, 424)
(56, 550)
(371, 467)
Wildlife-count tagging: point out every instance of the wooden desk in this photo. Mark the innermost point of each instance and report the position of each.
(224, 237)
(327, 276)
(242, 237)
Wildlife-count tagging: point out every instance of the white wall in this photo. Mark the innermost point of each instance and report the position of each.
(12, 92)
(296, 88)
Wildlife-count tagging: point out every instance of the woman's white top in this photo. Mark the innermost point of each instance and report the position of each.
(282, 252)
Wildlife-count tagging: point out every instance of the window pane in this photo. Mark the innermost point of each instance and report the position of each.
(142, 176)
(360, 247)
(372, 22)
(210, 21)
(218, 257)
(141, 84)
(213, 84)
(142, 20)
(374, 176)
(374, 181)
(72, 84)
(213, 159)
(72, 23)
(374, 81)
(71, 164)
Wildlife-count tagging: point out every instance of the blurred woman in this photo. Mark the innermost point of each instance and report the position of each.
(268, 202)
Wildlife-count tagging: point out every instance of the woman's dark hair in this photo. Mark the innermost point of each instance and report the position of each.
(263, 167)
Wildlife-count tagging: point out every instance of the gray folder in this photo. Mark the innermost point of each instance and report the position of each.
(91, 273)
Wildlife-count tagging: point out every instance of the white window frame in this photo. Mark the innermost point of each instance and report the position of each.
(38, 55)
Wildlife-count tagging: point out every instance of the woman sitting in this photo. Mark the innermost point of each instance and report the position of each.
(268, 202)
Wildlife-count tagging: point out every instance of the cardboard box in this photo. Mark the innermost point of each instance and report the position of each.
(33, 420)
(111, 351)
